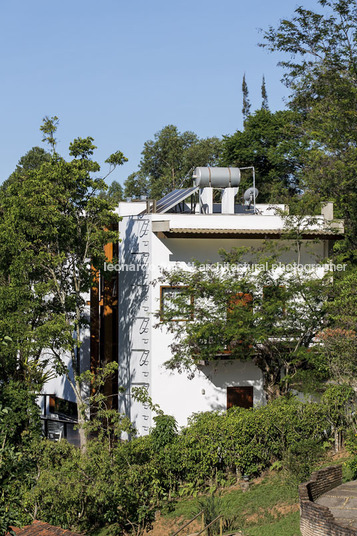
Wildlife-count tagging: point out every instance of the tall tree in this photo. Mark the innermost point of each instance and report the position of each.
(320, 46)
(114, 193)
(321, 71)
(271, 142)
(168, 161)
(59, 225)
(31, 160)
(246, 101)
(265, 105)
(338, 341)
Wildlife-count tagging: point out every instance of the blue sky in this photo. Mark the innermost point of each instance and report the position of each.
(120, 71)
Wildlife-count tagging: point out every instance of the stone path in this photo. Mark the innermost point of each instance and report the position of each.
(342, 502)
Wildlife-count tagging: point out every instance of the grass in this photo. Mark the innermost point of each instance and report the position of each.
(265, 509)
(286, 526)
(268, 508)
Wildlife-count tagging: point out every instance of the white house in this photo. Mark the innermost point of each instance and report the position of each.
(155, 235)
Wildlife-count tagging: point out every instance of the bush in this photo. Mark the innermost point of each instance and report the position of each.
(124, 485)
(246, 441)
(300, 459)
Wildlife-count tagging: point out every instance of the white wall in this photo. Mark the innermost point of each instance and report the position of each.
(139, 294)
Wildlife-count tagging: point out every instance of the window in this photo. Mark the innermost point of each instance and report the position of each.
(239, 300)
(240, 396)
(175, 304)
(239, 321)
(63, 407)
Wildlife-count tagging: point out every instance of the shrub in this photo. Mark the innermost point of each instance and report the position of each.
(300, 459)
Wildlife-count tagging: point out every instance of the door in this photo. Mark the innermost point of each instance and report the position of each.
(240, 396)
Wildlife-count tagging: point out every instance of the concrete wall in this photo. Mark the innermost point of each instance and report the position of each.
(144, 345)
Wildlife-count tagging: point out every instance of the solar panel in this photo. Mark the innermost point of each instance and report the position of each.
(167, 199)
(174, 198)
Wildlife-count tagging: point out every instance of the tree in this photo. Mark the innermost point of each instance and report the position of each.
(265, 105)
(136, 185)
(56, 225)
(168, 160)
(237, 311)
(246, 102)
(114, 193)
(338, 341)
(31, 160)
(321, 69)
(320, 45)
(20, 429)
(270, 142)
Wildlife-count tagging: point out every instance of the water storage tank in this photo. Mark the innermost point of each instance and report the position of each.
(216, 177)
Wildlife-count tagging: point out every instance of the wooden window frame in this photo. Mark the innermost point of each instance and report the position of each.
(238, 300)
(249, 389)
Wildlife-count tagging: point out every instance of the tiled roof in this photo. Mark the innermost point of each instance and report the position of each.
(39, 528)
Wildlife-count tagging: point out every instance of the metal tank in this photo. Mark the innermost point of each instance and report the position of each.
(216, 177)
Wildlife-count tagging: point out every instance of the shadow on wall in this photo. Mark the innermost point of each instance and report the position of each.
(134, 302)
(233, 373)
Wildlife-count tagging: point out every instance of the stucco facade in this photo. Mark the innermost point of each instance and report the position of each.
(149, 242)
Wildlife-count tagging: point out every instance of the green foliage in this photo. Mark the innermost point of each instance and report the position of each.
(316, 42)
(301, 457)
(246, 102)
(122, 484)
(255, 511)
(351, 447)
(164, 432)
(246, 441)
(116, 159)
(48, 128)
(106, 424)
(33, 159)
(265, 105)
(338, 342)
(54, 224)
(271, 142)
(19, 430)
(352, 466)
(82, 490)
(82, 147)
(168, 160)
(21, 421)
(254, 314)
(339, 403)
(115, 192)
(286, 526)
(211, 508)
(320, 69)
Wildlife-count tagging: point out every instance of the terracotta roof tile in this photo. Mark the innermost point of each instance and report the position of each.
(39, 528)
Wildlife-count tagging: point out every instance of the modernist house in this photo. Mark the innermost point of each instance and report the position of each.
(186, 224)
(174, 231)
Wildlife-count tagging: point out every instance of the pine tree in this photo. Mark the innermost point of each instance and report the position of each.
(265, 105)
(246, 102)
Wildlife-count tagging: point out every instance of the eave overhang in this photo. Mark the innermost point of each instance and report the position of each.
(320, 234)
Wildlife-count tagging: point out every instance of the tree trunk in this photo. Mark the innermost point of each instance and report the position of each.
(81, 418)
(338, 440)
(271, 377)
(81, 430)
